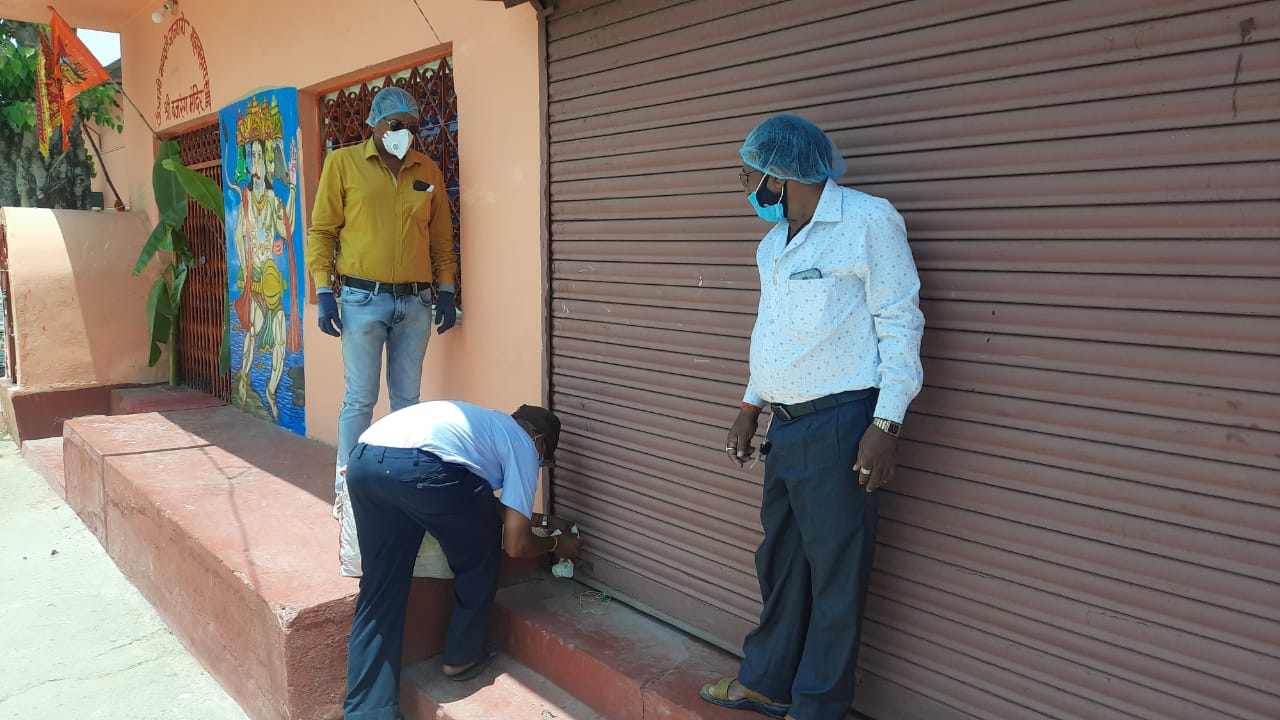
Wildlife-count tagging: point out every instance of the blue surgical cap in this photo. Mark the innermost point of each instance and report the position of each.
(789, 147)
(389, 101)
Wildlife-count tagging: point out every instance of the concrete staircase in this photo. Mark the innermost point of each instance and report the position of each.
(223, 522)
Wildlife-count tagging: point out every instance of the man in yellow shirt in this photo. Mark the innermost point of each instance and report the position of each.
(384, 206)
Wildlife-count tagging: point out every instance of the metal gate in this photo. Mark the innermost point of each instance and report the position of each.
(1086, 521)
(202, 316)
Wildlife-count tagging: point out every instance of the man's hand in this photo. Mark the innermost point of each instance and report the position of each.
(568, 547)
(330, 322)
(446, 312)
(555, 522)
(877, 458)
(738, 445)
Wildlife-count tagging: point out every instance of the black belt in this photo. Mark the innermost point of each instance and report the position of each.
(791, 412)
(378, 288)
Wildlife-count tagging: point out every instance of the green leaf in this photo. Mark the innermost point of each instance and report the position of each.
(159, 318)
(203, 190)
(158, 239)
(167, 188)
(180, 243)
(175, 294)
(161, 237)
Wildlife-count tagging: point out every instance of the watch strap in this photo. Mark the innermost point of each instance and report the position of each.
(890, 427)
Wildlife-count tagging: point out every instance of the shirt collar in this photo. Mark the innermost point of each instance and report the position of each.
(829, 204)
(830, 210)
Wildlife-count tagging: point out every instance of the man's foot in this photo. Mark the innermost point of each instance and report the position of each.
(460, 673)
(730, 693)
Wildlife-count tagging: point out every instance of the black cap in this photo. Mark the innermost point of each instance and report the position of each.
(545, 423)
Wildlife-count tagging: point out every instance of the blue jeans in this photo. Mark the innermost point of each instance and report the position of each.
(397, 495)
(814, 564)
(370, 322)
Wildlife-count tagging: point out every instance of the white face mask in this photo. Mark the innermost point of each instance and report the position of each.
(396, 142)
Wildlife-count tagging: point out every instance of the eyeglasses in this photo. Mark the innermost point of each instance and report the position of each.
(743, 177)
(398, 125)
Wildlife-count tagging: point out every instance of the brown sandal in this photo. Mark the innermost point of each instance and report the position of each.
(718, 694)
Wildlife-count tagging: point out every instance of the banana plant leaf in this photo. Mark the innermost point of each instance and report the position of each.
(159, 317)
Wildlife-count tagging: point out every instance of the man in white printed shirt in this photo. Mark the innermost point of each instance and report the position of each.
(434, 467)
(835, 353)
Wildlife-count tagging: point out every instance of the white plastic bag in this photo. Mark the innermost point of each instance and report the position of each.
(431, 561)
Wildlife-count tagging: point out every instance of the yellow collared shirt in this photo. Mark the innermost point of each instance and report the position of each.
(392, 229)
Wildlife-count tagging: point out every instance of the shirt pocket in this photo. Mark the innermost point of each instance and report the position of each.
(418, 207)
(814, 305)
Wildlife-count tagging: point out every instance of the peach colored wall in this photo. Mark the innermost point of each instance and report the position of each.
(494, 357)
(79, 313)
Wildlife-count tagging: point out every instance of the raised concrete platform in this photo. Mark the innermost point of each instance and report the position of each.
(623, 664)
(34, 413)
(223, 522)
(159, 398)
(44, 456)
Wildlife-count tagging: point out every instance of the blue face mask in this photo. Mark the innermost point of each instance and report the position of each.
(772, 212)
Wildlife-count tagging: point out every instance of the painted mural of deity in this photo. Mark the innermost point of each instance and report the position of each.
(260, 157)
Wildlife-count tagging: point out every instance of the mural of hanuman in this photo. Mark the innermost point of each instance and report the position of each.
(265, 232)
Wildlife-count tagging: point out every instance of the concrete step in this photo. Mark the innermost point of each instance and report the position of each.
(159, 398)
(44, 456)
(507, 690)
(224, 523)
(622, 663)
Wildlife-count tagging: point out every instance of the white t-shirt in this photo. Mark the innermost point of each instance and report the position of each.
(489, 442)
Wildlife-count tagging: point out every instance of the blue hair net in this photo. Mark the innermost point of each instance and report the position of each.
(389, 101)
(789, 147)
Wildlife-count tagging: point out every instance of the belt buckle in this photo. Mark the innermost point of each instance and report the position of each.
(782, 411)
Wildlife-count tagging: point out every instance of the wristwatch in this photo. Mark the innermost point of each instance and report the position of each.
(889, 426)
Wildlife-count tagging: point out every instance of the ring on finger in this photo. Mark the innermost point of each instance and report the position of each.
(730, 449)
(865, 471)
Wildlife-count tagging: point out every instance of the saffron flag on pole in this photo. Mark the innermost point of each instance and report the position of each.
(65, 69)
(80, 69)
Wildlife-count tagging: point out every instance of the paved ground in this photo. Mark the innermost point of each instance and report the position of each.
(76, 638)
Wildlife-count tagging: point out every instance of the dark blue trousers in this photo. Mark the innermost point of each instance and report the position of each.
(814, 563)
(397, 495)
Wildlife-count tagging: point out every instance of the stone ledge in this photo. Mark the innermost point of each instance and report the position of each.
(159, 398)
(623, 664)
(223, 522)
(44, 456)
(507, 690)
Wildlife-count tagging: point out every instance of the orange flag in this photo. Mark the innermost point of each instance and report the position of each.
(80, 70)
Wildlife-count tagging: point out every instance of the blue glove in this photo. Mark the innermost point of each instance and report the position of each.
(446, 312)
(330, 323)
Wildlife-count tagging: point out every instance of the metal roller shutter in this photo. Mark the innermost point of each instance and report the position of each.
(1086, 520)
